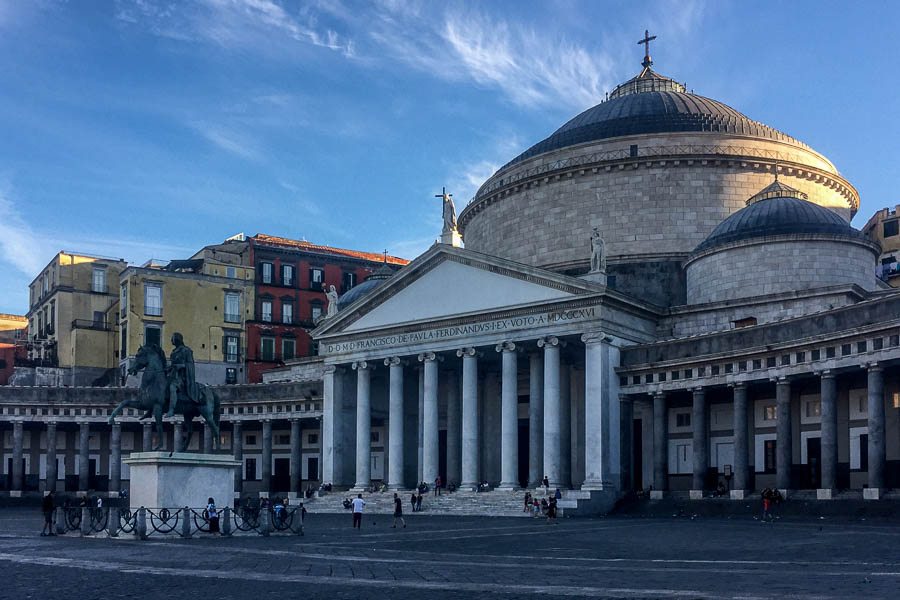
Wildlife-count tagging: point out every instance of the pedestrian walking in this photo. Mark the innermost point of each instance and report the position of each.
(767, 496)
(47, 506)
(535, 507)
(213, 515)
(437, 485)
(527, 502)
(551, 511)
(358, 504)
(419, 502)
(398, 511)
(412, 501)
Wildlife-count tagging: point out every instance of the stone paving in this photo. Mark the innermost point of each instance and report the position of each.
(463, 557)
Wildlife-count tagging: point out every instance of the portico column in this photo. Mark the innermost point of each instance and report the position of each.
(552, 465)
(565, 427)
(471, 441)
(83, 455)
(660, 443)
(52, 472)
(333, 426)
(363, 424)
(509, 417)
(626, 437)
(454, 441)
(876, 426)
(267, 455)
(741, 438)
(395, 423)
(535, 419)
(828, 385)
(115, 459)
(783, 444)
(700, 440)
(237, 445)
(296, 457)
(147, 437)
(18, 475)
(596, 429)
(420, 464)
(430, 419)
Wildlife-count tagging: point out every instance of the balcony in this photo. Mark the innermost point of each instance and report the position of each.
(89, 324)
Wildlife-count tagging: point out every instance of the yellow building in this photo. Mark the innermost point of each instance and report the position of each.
(884, 228)
(207, 298)
(10, 325)
(72, 320)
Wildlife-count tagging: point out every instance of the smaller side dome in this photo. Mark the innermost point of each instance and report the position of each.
(383, 273)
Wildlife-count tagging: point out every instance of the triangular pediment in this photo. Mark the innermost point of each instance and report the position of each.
(448, 281)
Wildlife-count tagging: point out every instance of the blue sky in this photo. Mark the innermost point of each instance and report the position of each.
(149, 128)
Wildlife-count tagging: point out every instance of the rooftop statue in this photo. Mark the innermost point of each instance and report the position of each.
(449, 212)
(598, 255)
(332, 296)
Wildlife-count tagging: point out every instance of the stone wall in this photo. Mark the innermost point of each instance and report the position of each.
(770, 265)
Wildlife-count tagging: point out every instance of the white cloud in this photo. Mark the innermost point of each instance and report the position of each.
(226, 139)
(20, 247)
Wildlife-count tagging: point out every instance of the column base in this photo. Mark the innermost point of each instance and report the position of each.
(264, 494)
(738, 494)
(112, 494)
(871, 493)
(824, 494)
(785, 493)
(593, 484)
(15, 494)
(696, 494)
(508, 487)
(293, 495)
(80, 494)
(472, 487)
(656, 494)
(237, 495)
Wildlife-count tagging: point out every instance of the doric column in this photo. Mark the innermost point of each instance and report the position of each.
(52, 472)
(84, 464)
(454, 434)
(741, 438)
(626, 435)
(430, 418)
(783, 443)
(700, 440)
(597, 467)
(333, 426)
(177, 435)
(363, 423)
(552, 465)
(509, 416)
(147, 436)
(420, 462)
(207, 439)
(535, 419)
(115, 459)
(565, 427)
(660, 443)
(267, 455)
(237, 445)
(18, 474)
(395, 423)
(471, 441)
(828, 426)
(296, 457)
(876, 426)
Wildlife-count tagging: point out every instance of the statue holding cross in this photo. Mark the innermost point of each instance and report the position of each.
(449, 211)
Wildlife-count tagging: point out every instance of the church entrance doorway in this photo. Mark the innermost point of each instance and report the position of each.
(814, 462)
(281, 478)
(524, 445)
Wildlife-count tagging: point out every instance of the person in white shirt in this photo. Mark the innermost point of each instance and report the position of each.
(358, 504)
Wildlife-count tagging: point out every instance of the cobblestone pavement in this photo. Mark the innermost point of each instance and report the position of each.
(461, 557)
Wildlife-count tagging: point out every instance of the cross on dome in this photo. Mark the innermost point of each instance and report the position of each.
(646, 42)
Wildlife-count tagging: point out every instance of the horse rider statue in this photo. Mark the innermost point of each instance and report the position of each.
(181, 374)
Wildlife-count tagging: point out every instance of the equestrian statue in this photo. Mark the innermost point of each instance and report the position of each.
(172, 389)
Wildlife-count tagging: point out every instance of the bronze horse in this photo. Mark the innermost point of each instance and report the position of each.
(154, 393)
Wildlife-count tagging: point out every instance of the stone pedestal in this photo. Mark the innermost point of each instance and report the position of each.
(737, 494)
(656, 494)
(596, 277)
(824, 494)
(452, 238)
(696, 494)
(179, 479)
(871, 493)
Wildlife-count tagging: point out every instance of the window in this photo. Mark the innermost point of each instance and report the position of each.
(288, 347)
(268, 348)
(124, 300)
(153, 299)
(313, 438)
(374, 436)
(316, 278)
(51, 322)
(152, 334)
(266, 306)
(99, 319)
(315, 312)
(230, 375)
(123, 347)
(283, 440)
(231, 272)
(745, 322)
(231, 348)
(891, 228)
(770, 459)
(813, 408)
(287, 312)
(251, 440)
(232, 307)
(250, 465)
(287, 274)
(683, 420)
(348, 281)
(266, 269)
(98, 280)
(633, 151)
(769, 413)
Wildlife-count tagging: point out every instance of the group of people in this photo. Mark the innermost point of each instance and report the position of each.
(358, 503)
(546, 507)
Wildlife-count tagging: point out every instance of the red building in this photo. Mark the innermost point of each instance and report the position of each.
(292, 277)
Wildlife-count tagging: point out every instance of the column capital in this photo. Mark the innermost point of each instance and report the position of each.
(779, 379)
(394, 361)
(427, 357)
(595, 337)
(333, 369)
(550, 340)
(698, 389)
(294, 420)
(362, 365)
(469, 351)
(873, 366)
(267, 420)
(659, 394)
(506, 347)
(826, 374)
(737, 384)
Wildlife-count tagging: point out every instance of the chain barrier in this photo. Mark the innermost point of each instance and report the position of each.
(246, 518)
(163, 520)
(99, 517)
(203, 523)
(127, 520)
(72, 518)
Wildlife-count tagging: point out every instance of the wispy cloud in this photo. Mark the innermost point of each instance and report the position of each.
(226, 139)
(20, 247)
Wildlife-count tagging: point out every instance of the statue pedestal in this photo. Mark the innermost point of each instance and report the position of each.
(596, 277)
(179, 479)
(452, 238)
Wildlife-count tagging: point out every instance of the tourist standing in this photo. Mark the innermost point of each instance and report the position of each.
(546, 483)
(47, 509)
(551, 511)
(412, 501)
(527, 502)
(358, 504)
(213, 515)
(535, 507)
(398, 510)
(437, 485)
(419, 502)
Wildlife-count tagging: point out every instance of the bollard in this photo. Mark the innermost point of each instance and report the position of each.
(265, 521)
(186, 522)
(225, 521)
(59, 516)
(112, 522)
(140, 526)
(298, 517)
(85, 520)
